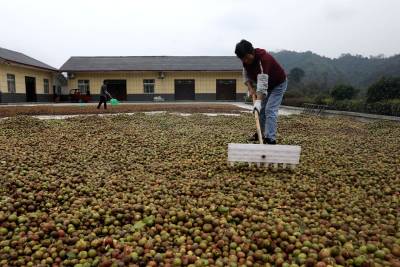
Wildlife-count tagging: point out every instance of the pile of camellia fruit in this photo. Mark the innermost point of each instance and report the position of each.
(156, 190)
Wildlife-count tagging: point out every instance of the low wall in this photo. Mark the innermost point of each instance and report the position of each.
(349, 114)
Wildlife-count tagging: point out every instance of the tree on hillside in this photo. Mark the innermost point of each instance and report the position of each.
(358, 71)
(296, 75)
(386, 88)
(342, 92)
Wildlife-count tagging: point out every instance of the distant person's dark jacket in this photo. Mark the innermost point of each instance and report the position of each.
(103, 91)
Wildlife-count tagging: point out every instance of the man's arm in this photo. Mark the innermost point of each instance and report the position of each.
(257, 97)
(266, 63)
(248, 83)
(107, 93)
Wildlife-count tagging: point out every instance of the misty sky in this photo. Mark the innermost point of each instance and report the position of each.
(54, 30)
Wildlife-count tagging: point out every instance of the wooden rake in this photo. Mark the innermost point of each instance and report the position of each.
(263, 155)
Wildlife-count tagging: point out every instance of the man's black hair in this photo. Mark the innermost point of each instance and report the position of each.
(242, 48)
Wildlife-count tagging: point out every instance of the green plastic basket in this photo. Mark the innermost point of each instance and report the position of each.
(114, 102)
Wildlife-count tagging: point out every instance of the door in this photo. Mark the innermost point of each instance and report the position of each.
(226, 90)
(30, 87)
(184, 90)
(117, 89)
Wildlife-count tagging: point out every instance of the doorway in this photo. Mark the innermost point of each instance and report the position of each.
(184, 90)
(30, 87)
(117, 89)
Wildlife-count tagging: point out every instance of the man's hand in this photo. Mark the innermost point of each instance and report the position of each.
(257, 106)
(250, 89)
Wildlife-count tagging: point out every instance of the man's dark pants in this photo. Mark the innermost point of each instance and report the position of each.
(103, 99)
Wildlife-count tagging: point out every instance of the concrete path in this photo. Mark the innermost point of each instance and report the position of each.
(248, 109)
(63, 117)
(283, 111)
(122, 103)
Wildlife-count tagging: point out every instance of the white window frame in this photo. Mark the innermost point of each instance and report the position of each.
(149, 86)
(84, 86)
(46, 89)
(11, 83)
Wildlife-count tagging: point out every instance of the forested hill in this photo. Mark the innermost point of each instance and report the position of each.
(357, 71)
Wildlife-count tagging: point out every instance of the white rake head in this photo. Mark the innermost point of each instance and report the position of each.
(264, 155)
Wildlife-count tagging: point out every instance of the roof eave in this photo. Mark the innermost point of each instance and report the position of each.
(29, 65)
(71, 70)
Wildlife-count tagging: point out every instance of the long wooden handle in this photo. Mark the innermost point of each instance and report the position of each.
(256, 115)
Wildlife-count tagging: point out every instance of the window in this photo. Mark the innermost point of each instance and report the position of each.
(83, 86)
(46, 86)
(148, 86)
(11, 83)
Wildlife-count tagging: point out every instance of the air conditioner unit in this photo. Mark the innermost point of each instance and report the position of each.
(71, 75)
(161, 75)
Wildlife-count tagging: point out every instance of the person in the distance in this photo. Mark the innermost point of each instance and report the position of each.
(103, 96)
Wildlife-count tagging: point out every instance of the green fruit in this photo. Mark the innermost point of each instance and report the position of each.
(71, 255)
(324, 253)
(38, 255)
(139, 225)
(134, 256)
(149, 221)
(158, 257)
(342, 239)
(3, 231)
(13, 217)
(335, 251)
(181, 216)
(83, 255)
(363, 250)
(81, 244)
(371, 248)
(197, 239)
(92, 253)
(203, 245)
(207, 228)
(380, 254)
(359, 261)
(177, 262)
(396, 250)
(22, 219)
(307, 244)
(223, 209)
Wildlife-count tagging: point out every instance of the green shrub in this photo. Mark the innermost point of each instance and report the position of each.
(296, 101)
(384, 89)
(356, 105)
(329, 101)
(293, 94)
(385, 107)
(323, 100)
(342, 92)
